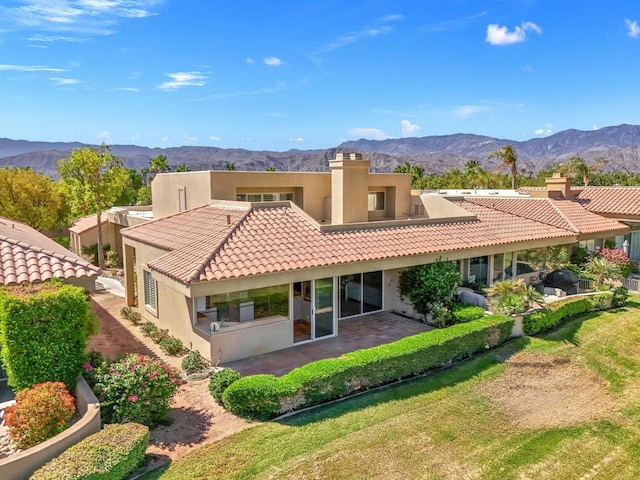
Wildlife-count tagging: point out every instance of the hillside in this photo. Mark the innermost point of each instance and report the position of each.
(620, 144)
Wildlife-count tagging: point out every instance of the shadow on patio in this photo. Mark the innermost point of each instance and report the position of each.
(353, 334)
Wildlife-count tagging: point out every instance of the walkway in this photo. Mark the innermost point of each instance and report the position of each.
(353, 334)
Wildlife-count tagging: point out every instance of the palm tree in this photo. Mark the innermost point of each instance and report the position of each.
(577, 167)
(270, 169)
(159, 164)
(182, 168)
(475, 173)
(508, 158)
(416, 171)
(230, 166)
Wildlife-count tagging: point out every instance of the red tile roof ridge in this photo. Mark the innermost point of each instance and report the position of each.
(570, 226)
(82, 224)
(195, 274)
(555, 206)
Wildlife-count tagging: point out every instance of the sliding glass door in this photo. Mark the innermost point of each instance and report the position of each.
(313, 312)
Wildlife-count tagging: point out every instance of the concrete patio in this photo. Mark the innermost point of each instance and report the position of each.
(353, 334)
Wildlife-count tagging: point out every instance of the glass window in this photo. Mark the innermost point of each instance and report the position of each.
(264, 197)
(251, 304)
(529, 261)
(150, 294)
(376, 201)
(286, 196)
(182, 199)
(479, 270)
(502, 266)
(360, 293)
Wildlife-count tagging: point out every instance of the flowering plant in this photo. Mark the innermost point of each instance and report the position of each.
(40, 412)
(137, 388)
(615, 256)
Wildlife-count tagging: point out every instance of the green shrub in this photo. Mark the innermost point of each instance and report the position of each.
(194, 362)
(620, 296)
(467, 313)
(433, 284)
(137, 389)
(132, 315)
(557, 312)
(111, 454)
(219, 382)
(151, 330)
(40, 412)
(171, 345)
(266, 396)
(43, 333)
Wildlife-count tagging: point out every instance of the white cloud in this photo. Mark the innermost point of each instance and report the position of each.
(104, 136)
(392, 18)
(135, 138)
(409, 129)
(464, 111)
(497, 35)
(370, 133)
(633, 27)
(528, 69)
(356, 36)
(164, 139)
(189, 139)
(84, 18)
(296, 139)
(64, 81)
(31, 68)
(127, 89)
(214, 138)
(543, 131)
(250, 61)
(273, 61)
(183, 79)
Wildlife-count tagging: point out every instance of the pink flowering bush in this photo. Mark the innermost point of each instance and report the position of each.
(617, 257)
(137, 388)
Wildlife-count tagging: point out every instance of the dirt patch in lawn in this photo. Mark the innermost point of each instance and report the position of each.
(536, 391)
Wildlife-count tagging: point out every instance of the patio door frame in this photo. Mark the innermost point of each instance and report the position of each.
(309, 291)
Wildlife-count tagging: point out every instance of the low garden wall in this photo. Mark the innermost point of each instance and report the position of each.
(21, 465)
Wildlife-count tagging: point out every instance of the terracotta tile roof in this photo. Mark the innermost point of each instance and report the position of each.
(619, 201)
(26, 255)
(203, 246)
(566, 214)
(84, 224)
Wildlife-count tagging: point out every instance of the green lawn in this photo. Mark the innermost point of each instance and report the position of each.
(450, 426)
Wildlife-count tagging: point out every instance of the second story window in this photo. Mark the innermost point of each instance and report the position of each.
(376, 201)
(265, 197)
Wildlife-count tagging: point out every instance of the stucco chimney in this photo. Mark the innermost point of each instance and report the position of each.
(558, 186)
(349, 188)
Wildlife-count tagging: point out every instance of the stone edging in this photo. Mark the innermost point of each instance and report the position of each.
(23, 464)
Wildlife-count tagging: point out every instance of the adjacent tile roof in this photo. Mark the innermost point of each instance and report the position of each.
(26, 255)
(618, 201)
(566, 214)
(84, 224)
(212, 242)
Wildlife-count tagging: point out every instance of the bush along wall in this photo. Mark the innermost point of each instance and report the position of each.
(266, 396)
(112, 453)
(563, 310)
(43, 333)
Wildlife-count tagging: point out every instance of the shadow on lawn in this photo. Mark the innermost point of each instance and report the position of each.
(428, 383)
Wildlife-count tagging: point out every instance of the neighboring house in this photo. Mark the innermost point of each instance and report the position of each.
(28, 256)
(241, 263)
(83, 232)
(615, 202)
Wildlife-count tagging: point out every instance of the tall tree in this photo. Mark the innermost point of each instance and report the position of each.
(416, 171)
(159, 164)
(32, 198)
(576, 167)
(230, 166)
(95, 178)
(182, 168)
(508, 158)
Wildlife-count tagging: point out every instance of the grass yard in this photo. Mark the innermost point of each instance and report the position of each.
(564, 406)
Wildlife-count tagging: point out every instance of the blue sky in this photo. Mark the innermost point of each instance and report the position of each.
(306, 74)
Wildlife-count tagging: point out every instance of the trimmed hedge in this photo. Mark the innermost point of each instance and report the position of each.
(557, 312)
(43, 333)
(466, 313)
(266, 396)
(111, 454)
(220, 381)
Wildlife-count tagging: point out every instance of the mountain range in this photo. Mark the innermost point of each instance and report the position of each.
(619, 144)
